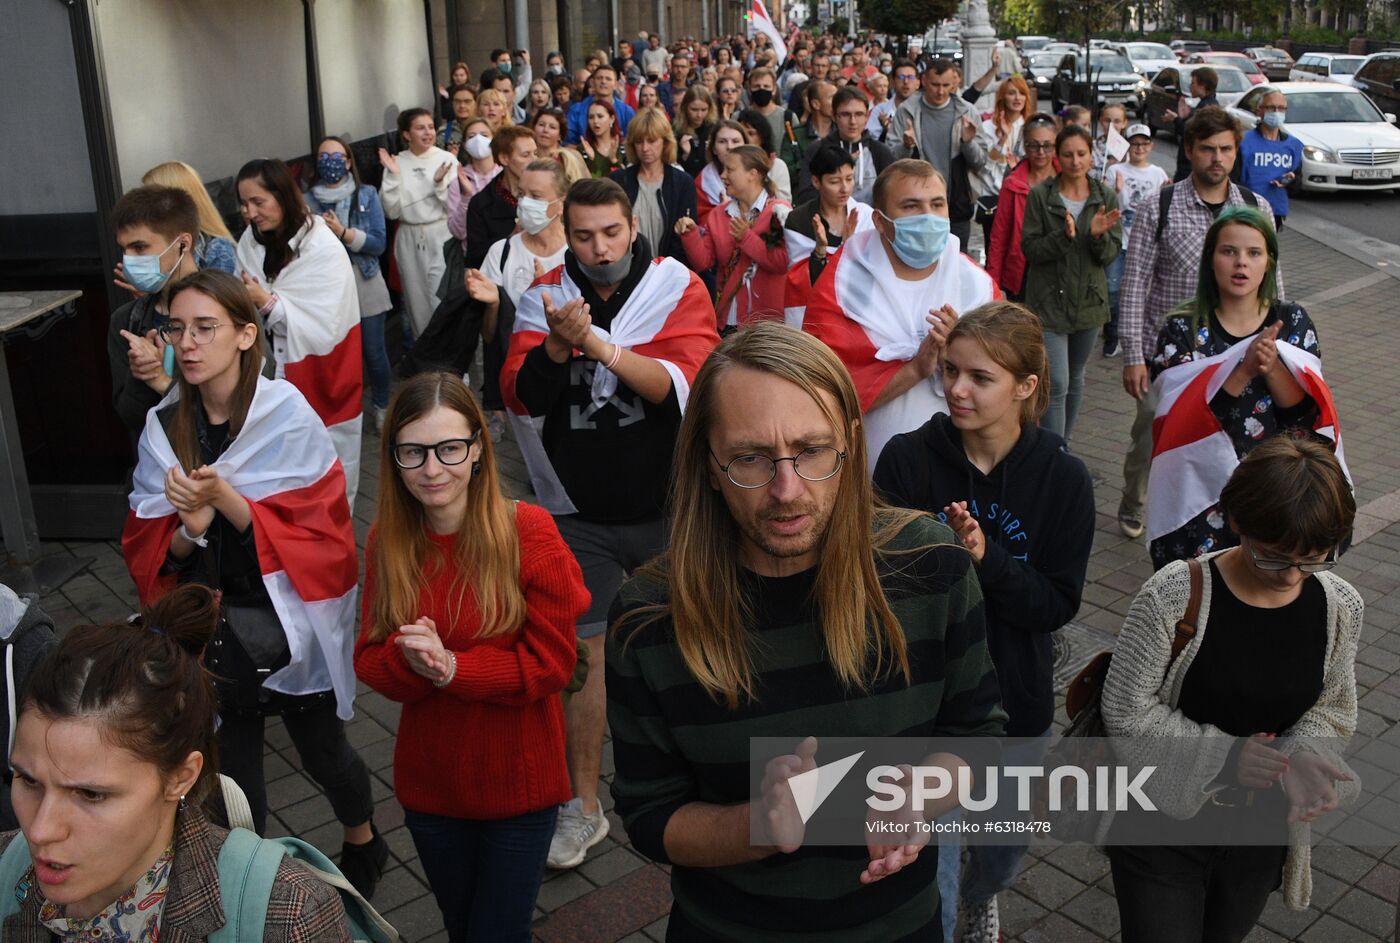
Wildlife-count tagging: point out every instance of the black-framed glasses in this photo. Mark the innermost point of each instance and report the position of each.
(1304, 566)
(448, 451)
(172, 332)
(1032, 148)
(755, 470)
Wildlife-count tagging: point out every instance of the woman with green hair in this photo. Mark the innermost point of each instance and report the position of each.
(1235, 299)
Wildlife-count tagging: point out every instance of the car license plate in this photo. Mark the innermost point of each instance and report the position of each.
(1375, 173)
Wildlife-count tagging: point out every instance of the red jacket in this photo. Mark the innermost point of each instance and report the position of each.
(490, 745)
(1005, 263)
(712, 244)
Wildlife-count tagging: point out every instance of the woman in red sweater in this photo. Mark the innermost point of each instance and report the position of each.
(469, 610)
(744, 237)
(1005, 263)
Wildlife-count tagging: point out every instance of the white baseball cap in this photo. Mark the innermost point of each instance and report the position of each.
(1138, 130)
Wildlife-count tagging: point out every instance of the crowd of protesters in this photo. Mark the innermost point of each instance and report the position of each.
(801, 466)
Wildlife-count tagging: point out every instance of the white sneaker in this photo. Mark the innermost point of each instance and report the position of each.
(574, 834)
(981, 922)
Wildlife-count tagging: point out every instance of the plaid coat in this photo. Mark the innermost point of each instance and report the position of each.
(301, 910)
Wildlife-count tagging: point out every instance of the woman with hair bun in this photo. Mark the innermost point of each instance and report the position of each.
(985, 468)
(237, 487)
(114, 754)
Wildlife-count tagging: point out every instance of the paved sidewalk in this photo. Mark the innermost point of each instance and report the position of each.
(1063, 896)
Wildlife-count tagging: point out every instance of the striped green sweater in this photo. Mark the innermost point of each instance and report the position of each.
(673, 744)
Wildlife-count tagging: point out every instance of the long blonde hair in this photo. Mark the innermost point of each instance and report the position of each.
(706, 605)
(178, 174)
(494, 95)
(486, 554)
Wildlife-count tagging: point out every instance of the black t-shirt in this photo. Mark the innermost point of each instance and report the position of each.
(614, 460)
(230, 562)
(1215, 208)
(1258, 670)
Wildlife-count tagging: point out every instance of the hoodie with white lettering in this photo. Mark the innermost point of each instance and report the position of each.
(1036, 511)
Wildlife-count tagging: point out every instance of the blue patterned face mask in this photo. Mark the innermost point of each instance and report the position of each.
(920, 240)
(332, 168)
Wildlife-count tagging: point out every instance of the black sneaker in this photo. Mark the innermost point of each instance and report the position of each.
(1112, 348)
(363, 865)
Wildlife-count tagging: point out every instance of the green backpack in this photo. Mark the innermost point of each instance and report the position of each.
(247, 870)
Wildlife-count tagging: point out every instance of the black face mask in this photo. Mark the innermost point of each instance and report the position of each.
(761, 97)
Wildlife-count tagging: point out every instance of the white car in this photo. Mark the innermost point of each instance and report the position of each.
(1147, 58)
(1325, 67)
(1347, 143)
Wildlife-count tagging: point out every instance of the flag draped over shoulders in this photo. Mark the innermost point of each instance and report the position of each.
(1192, 454)
(284, 464)
(669, 318)
(316, 333)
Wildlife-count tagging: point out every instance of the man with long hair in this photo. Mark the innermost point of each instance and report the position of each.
(790, 603)
(604, 350)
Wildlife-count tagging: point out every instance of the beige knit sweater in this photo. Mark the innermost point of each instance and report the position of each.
(1142, 689)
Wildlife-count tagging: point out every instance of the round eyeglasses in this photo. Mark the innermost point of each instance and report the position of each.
(172, 332)
(448, 451)
(753, 470)
(1304, 566)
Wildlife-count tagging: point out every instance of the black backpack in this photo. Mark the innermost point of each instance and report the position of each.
(1164, 203)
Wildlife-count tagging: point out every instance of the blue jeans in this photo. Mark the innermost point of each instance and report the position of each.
(484, 874)
(990, 869)
(1115, 281)
(1069, 353)
(376, 359)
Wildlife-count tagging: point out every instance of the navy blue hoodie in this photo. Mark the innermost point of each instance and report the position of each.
(1036, 510)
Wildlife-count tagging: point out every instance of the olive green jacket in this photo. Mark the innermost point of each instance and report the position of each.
(1066, 280)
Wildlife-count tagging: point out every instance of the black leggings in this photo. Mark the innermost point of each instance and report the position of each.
(316, 732)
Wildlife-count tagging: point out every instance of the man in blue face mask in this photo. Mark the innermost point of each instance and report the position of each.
(604, 349)
(890, 297)
(1270, 157)
(156, 228)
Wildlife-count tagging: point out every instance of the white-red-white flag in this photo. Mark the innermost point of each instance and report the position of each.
(669, 318)
(315, 332)
(1192, 455)
(285, 464)
(759, 22)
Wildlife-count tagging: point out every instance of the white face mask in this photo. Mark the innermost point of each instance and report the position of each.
(478, 146)
(533, 214)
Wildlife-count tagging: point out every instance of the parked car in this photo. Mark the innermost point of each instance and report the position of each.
(1234, 60)
(1379, 78)
(1039, 72)
(1147, 58)
(1273, 62)
(1114, 75)
(946, 48)
(1032, 44)
(1347, 143)
(1325, 67)
(1062, 48)
(1175, 81)
(1184, 47)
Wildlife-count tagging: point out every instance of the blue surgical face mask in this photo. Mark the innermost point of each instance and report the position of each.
(919, 240)
(503, 68)
(331, 168)
(143, 271)
(1273, 119)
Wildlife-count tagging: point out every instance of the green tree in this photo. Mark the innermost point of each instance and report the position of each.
(1022, 17)
(905, 17)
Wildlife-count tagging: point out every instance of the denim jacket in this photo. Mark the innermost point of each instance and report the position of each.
(367, 216)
